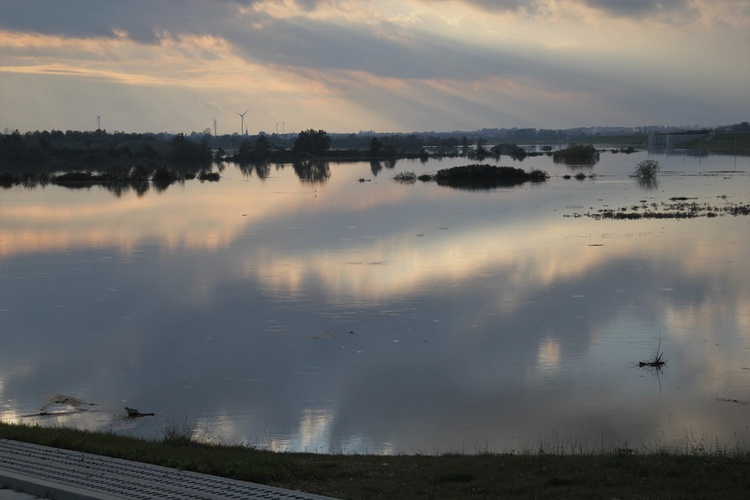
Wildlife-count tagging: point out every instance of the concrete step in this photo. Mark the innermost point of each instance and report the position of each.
(70, 475)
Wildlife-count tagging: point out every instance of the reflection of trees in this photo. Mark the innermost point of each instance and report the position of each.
(375, 167)
(579, 167)
(261, 168)
(313, 171)
(648, 184)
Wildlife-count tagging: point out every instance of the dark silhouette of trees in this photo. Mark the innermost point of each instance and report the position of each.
(376, 147)
(262, 148)
(183, 150)
(311, 143)
(245, 152)
(582, 154)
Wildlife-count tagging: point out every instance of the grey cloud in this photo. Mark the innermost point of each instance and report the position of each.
(677, 10)
(143, 20)
(639, 8)
(304, 44)
(529, 6)
(292, 42)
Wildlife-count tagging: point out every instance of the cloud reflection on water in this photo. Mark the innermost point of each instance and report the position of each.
(321, 321)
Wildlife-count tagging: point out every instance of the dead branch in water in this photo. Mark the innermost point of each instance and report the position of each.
(656, 361)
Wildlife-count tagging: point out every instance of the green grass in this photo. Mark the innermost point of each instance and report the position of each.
(727, 142)
(611, 140)
(698, 471)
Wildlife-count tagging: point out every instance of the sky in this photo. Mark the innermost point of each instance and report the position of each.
(387, 66)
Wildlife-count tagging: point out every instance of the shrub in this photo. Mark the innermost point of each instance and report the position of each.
(647, 169)
(577, 154)
(405, 177)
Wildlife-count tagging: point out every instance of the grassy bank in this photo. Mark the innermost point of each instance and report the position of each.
(736, 143)
(635, 140)
(693, 473)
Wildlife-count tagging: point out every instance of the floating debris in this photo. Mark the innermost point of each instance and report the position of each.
(656, 362)
(134, 413)
(738, 401)
(60, 404)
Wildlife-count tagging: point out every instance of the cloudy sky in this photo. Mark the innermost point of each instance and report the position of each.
(388, 66)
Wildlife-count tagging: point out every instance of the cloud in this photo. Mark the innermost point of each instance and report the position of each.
(397, 64)
(637, 8)
(142, 20)
(671, 11)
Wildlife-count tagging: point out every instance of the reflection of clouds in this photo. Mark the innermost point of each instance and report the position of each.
(206, 216)
(402, 263)
(313, 434)
(196, 215)
(548, 357)
(499, 291)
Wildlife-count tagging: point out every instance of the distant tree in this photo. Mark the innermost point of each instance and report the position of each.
(11, 146)
(147, 151)
(465, 144)
(219, 154)
(245, 151)
(376, 147)
(183, 150)
(390, 151)
(262, 147)
(311, 143)
(584, 154)
(647, 169)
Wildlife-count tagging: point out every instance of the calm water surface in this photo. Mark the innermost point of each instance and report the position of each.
(335, 315)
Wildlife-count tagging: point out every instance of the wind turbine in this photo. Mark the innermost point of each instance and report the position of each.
(242, 121)
(214, 119)
(98, 121)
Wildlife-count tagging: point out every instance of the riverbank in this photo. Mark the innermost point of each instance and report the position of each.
(698, 471)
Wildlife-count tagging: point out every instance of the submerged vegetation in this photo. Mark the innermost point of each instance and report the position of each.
(678, 207)
(576, 154)
(556, 468)
(482, 176)
(647, 169)
(405, 177)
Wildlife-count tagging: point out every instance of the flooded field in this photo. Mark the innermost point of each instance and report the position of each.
(332, 309)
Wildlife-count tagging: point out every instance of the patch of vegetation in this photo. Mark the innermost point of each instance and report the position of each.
(483, 176)
(405, 177)
(179, 434)
(549, 472)
(677, 208)
(514, 151)
(647, 169)
(576, 154)
(209, 176)
(613, 140)
(737, 143)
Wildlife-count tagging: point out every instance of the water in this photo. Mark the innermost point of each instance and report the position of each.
(372, 317)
